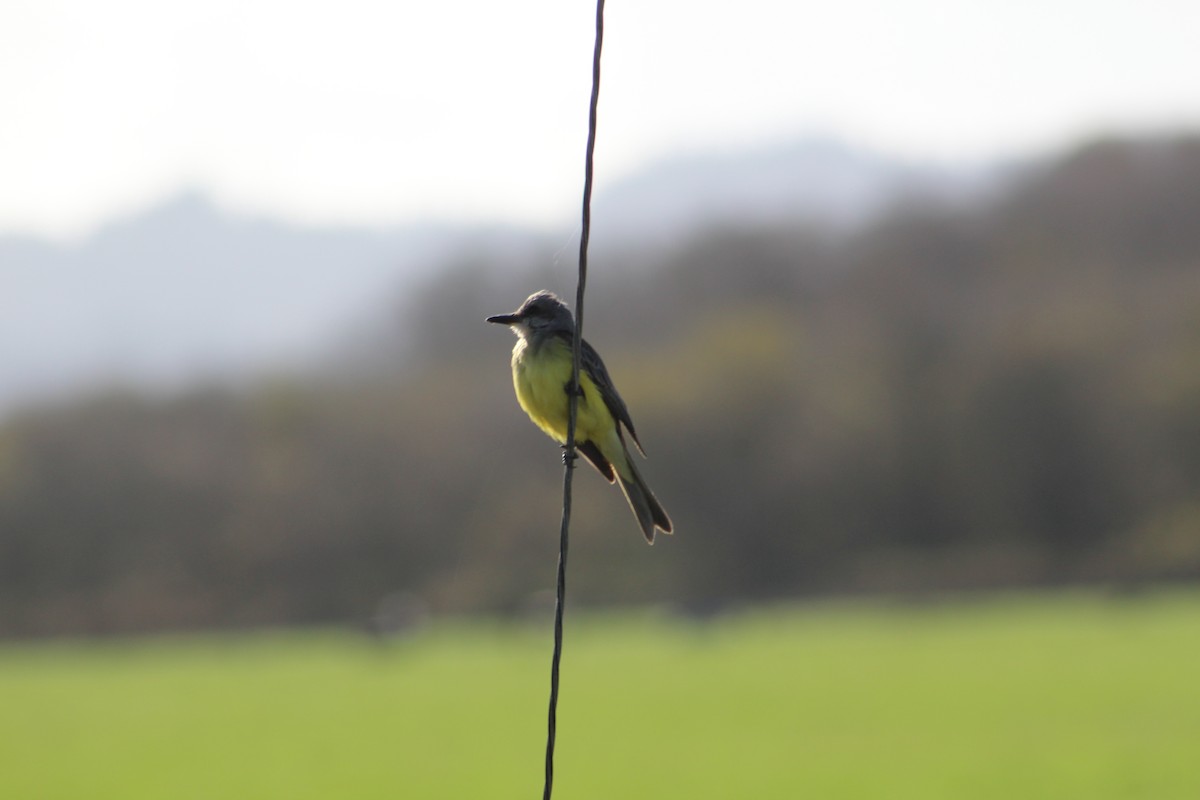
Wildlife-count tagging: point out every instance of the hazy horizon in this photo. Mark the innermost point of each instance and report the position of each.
(187, 289)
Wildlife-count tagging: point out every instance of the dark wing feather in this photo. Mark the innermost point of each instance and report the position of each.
(593, 454)
(592, 364)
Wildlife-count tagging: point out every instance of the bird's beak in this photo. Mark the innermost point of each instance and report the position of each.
(505, 319)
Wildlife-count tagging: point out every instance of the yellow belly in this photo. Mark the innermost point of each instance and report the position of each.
(540, 378)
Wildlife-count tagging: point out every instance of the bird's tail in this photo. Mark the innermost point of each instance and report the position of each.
(650, 514)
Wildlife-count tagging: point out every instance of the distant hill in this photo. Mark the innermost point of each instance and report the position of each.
(186, 289)
(816, 180)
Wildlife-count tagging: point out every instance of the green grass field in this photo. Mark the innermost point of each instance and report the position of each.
(1070, 696)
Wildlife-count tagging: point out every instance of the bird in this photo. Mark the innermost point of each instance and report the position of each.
(542, 362)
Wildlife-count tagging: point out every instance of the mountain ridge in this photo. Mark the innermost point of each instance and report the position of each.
(187, 289)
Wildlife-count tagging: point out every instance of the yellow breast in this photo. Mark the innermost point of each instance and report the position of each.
(540, 377)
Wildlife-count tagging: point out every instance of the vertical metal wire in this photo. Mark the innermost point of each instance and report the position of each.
(573, 405)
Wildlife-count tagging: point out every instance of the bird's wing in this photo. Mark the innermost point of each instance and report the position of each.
(591, 363)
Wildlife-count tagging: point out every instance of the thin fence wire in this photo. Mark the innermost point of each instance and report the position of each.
(573, 405)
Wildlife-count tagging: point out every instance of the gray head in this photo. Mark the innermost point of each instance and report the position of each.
(541, 313)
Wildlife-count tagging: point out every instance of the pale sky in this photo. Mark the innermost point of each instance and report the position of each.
(376, 112)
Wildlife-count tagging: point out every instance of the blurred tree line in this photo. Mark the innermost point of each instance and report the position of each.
(950, 398)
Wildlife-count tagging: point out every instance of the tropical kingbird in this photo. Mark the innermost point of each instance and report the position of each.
(541, 365)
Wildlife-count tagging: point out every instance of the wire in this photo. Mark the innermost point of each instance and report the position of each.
(573, 406)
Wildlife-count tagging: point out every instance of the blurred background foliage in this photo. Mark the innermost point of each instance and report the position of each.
(949, 398)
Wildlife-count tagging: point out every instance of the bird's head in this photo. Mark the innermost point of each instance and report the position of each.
(542, 312)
